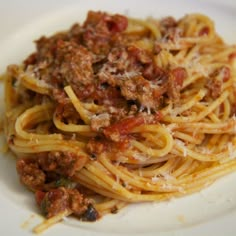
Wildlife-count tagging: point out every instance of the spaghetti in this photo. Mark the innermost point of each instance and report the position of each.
(120, 110)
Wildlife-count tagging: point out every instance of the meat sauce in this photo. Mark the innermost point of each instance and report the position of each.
(43, 174)
(102, 65)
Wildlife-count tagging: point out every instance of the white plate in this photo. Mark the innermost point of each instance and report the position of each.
(212, 211)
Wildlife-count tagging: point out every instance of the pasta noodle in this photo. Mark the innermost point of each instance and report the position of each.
(120, 110)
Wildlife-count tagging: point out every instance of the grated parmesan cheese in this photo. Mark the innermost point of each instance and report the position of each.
(155, 179)
(140, 157)
(170, 128)
(167, 186)
(167, 176)
(130, 74)
(182, 146)
(196, 66)
(231, 150)
(205, 150)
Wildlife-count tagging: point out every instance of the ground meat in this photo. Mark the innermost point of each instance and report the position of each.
(117, 64)
(109, 96)
(66, 112)
(62, 62)
(73, 66)
(168, 26)
(102, 67)
(124, 127)
(118, 131)
(96, 146)
(146, 93)
(133, 70)
(46, 46)
(153, 72)
(58, 200)
(75, 33)
(63, 163)
(53, 202)
(75, 63)
(168, 22)
(175, 82)
(216, 80)
(78, 203)
(124, 62)
(101, 31)
(214, 87)
(36, 172)
(30, 173)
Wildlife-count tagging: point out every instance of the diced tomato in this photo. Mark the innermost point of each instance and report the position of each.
(116, 23)
(122, 145)
(158, 116)
(179, 74)
(226, 73)
(204, 31)
(39, 196)
(232, 57)
(123, 127)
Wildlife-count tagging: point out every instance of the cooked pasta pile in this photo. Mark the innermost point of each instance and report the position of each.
(120, 110)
